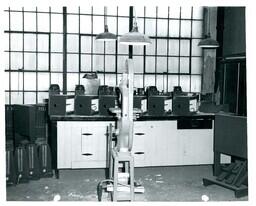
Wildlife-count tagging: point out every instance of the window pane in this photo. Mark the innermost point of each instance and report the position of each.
(43, 43)
(150, 11)
(111, 24)
(29, 21)
(98, 47)
(197, 12)
(110, 47)
(123, 10)
(184, 65)
(196, 83)
(110, 63)
(57, 78)
(16, 98)
(57, 42)
(85, 62)
(72, 43)
(43, 22)
(185, 30)
(43, 61)
(186, 12)
(43, 81)
(122, 49)
(16, 42)
(197, 29)
(110, 80)
(184, 47)
(16, 21)
(123, 24)
(185, 82)
(121, 63)
(29, 61)
(139, 11)
(151, 48)
(29, 97)
(160, 82)
(138, 50)
(56, 62)
(7, 98)
(196, 65)
(196, 50)
(173, 64)
(72, 81)
(163, 11)
(172, 82)
(29, 81)
(42, 96)
(98, 24)
(72, 62)
(6, 80)
(16, 60)
(98, 63)
(72, 23)
(85, 24)
(150, 27)
(138, 64)
(150, 64)
(161, 47)
(174, 47)
(149, 80)
(56, 23)
(174, 28)
(16, 81)
(138, 81)
(140, 23)
(161, 64)
(86, 44)
(174, 12)
(29, 42)
(162, 26)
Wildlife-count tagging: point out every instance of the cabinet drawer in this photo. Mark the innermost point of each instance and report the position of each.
(194, 123)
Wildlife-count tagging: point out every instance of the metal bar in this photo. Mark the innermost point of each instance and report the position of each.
(144, 51)
(168, 34)
(49, 49)
(64, 50)
(116, 48)
(91, 39)
(190, 49)
(179, 49)
(10, 59)
(79, 45)
(130, 29)
(25, 32)
(224, 83)
(36, 57)
(22, 56)
(237, 88)
(156, 47)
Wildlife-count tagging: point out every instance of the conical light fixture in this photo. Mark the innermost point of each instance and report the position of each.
(106, 35)
(134, 37)
(208, 42)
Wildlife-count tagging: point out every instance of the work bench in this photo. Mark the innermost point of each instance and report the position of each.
(169, 140)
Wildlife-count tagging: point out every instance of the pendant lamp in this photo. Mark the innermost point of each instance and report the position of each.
(134, 37)
(208, 42)
(106, 35)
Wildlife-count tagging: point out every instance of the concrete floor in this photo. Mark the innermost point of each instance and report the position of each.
(183, 183)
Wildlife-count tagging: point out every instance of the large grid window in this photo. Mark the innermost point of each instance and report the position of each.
(35, 53)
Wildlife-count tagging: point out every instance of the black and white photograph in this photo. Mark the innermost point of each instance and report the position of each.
(125, 103)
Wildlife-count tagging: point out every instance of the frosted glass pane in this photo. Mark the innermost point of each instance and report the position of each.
(43, 43)
(138, 64)
(160, 82)
(196, 50)
(185, 30)
(29, 98)
(184, 65)
(149, 80)
(186, 12)
(85, 62)
(174, 28)
(174, 47)
(29, 81)
(163, 11)
(56, 23)
(110, 63)
(197, 12)
(173, 63)
(162, 27)
(150, 11)
(139, 11)
(123, 10)
(41, 96)
(110, 80)
(162, 47)
(98, 63)
(43, 61)
(161, 64)
(150, 27)
(29, 42)
(174, 12)
(16, 21)
(110, 47)
(98, 47)
(138, 81)
(7, 98)
(138, 50)
(150, 64)
(140, 23)
(57, 42)
(85, 24)
(196, 65)
(16, 42)
(43, 81)
(111, 10)
(85, 9)
(185, 82)
(197, 29)
(151, 48)
(111, 21)
(16, 98)
(16, 61)
(122, 49)
(43, 22)
(72, 23)
(121, 63)
(29, 21)
(72, 43)
(57, 78)
(85, 44)
(123, 24)
(6, 80)
(98, 24)
(29, 61)
(72, 81)
(72, 62)
(196, 83)
(98, 9)
(16, 81)
(56, 62)
(184, 47)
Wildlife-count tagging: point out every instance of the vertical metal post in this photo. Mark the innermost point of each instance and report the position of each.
(64, 50)
(237, 88)
(130, 29)
(224, 84)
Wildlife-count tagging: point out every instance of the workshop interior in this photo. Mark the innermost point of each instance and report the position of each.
(126, 103)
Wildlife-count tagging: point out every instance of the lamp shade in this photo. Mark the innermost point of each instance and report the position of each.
(134, 37)
(106, 36)
(208, 43)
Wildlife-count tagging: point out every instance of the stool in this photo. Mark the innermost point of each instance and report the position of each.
(128, 160)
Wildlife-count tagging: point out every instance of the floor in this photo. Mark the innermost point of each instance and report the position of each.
(182, 183)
